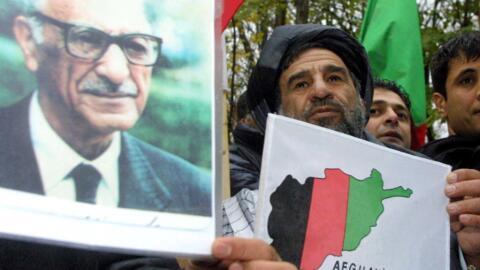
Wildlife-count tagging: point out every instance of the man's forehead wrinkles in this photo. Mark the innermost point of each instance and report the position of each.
(323, 68)
(297, 75)
(331, 68)
(305, 71)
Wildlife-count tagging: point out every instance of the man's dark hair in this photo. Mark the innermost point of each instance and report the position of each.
(393, 87)
(465, 45)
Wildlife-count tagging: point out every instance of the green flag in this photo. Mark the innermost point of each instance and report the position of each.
(391, 35)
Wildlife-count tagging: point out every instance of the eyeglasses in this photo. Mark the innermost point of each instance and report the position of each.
(88, 43)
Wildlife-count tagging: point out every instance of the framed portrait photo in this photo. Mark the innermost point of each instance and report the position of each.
(107, 125)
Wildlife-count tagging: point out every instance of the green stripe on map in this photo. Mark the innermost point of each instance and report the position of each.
(365, 205)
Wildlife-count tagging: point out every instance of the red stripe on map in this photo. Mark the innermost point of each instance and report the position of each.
(326, 220)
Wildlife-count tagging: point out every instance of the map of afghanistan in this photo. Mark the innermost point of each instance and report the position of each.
(326, 216)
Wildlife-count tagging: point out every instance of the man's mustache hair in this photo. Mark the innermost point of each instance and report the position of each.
(352, 122)
(322, 102)
(103, 86)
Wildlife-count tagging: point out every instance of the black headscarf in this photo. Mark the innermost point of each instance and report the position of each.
(263, 92)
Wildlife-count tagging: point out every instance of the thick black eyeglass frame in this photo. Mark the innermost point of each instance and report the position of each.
(117, 39)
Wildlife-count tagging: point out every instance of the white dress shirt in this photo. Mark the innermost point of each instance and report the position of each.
(56, 159)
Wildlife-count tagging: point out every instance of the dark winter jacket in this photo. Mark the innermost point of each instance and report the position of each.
(456, 151)
(245, 158)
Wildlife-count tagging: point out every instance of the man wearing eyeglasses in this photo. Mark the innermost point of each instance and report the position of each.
(93, 63)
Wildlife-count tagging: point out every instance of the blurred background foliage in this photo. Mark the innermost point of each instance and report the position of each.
(178, 116)
(255, 20)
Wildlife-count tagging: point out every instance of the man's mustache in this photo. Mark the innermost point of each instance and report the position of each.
(327, 102)
(104, 87)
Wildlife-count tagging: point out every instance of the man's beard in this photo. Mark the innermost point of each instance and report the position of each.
(351, 122)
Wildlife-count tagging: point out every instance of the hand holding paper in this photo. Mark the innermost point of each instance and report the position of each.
(464, 210)
(240, 253)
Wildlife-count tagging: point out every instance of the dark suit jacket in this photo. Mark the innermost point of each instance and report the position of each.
(149, 178)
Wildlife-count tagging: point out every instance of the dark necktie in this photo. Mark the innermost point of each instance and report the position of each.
(86, 179)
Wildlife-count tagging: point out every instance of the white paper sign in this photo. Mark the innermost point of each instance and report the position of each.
(331, 201)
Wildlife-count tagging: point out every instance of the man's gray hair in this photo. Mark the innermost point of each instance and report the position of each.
(37, 30)
(26, 8)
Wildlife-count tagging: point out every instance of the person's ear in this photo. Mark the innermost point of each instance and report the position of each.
(440, 104)
(24, 35)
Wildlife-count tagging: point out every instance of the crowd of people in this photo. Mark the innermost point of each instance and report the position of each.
(306, 67)
(90, 93)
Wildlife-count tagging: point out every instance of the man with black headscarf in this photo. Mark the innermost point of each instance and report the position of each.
(313, 73)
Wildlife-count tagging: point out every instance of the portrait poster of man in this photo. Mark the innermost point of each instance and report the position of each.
(106, 123)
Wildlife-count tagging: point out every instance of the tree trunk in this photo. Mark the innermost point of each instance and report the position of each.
(280, 13)
(467, 8)
(247, 47)
(435, 13)
(302, 7)
(476, 11)
(230, 117)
